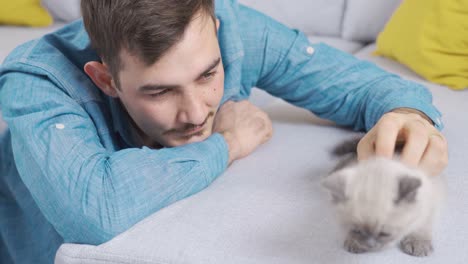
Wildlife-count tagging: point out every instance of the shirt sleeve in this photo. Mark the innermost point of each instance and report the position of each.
(87, 192)
(330, 83)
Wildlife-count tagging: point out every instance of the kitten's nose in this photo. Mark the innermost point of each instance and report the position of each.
(371, 242)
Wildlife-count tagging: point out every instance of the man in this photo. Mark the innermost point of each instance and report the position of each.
(143, 104)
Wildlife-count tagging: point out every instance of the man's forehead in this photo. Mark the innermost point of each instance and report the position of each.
(189, 57)
(136, 74)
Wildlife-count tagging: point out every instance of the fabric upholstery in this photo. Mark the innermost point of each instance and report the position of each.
(364, 19)
(319, 17)
(63, 10)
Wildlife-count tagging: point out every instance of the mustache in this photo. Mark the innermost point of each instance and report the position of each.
(188, 127)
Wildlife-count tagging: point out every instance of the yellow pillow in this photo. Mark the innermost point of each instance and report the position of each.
(24, 13)
(431, 38)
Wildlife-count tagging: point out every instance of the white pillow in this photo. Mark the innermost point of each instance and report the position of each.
(364, 19)
(313, 17)
(63, 10)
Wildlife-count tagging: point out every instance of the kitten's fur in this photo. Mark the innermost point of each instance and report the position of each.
(381, 202)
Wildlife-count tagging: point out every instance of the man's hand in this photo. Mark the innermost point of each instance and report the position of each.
(244, 127)
(424, 146)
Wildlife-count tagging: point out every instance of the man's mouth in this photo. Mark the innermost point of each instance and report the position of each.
(193, 130)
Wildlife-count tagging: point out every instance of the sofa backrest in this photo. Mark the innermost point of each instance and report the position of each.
(364, 19)
(357, 20)
(313, 17)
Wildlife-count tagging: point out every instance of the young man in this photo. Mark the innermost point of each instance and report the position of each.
(142, 104)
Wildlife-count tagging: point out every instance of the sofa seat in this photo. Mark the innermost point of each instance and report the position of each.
(270, 208)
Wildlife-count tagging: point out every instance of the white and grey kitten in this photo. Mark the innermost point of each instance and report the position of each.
(381, 202)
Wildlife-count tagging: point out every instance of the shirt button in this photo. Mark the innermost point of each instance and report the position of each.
(59, 126)
(310, 50)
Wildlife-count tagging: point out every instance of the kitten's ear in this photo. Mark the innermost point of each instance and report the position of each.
(335, 183)
(407, 189)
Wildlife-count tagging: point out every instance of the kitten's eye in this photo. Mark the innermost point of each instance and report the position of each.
(357, 232)
(383, 234)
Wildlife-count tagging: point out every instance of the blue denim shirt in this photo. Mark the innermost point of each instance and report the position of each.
(70, 170)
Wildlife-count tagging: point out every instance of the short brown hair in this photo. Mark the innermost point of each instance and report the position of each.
(144, 28)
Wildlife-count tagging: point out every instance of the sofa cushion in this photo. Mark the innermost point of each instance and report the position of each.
(313, 17)
(430, 37)
(364, 19)
(24, 13)
(63, 10)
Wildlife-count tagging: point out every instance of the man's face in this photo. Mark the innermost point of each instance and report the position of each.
(174, 101)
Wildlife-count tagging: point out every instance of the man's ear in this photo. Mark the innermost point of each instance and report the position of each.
(100, 75)
(217, 24)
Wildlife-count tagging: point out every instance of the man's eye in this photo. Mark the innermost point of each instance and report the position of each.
(160, 93)
(209, 75)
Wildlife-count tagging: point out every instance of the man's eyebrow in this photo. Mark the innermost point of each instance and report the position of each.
(210, 67)
(156, 87)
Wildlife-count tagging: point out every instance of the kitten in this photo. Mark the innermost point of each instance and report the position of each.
(381, 202)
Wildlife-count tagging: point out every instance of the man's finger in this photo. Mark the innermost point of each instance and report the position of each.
(365, 147)
(386, 137)
(435, 158)
(416, 142)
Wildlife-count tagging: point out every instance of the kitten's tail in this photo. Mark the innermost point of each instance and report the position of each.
(347, 151)
(347, 147)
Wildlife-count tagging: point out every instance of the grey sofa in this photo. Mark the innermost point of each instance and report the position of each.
(269, 207)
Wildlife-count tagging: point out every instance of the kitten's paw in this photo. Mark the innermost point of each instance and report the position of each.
(416, 246)
(351, 245)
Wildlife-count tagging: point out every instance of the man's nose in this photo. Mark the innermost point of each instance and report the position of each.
(192, 109)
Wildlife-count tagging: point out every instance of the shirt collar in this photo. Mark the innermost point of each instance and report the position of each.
(123, 125)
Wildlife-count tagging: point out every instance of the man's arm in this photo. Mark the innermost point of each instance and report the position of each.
(328, 82)
(90, 193)
(337, 86)
(244, 127)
